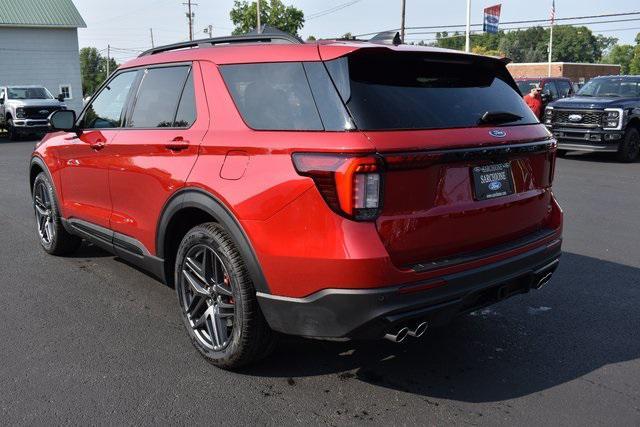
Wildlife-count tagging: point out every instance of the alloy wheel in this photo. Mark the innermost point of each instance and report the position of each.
(207, 297)
(44, 216)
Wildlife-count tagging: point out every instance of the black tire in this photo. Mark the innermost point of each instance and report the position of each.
(12, 133)
(630, 146)
(52, 235)
(248, 336)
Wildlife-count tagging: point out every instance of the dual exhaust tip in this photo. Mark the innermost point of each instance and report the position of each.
(403, 332)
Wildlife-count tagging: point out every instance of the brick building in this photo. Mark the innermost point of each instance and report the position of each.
(577, 72)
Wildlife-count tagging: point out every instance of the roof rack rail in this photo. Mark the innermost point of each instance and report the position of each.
(245, 38)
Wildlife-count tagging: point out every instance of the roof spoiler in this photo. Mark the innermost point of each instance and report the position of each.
(387, 37)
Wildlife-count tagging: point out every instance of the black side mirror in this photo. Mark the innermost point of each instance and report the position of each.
(60, 97)
(63, 120)
(1, 100)
(545, 97)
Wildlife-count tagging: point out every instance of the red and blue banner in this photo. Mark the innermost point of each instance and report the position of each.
(491, 19)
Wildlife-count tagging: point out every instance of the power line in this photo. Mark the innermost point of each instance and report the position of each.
(541, 26)
(479, 32)
(529, 21)
(331, 10)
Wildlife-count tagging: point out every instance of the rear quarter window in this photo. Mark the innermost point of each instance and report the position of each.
(273, 96)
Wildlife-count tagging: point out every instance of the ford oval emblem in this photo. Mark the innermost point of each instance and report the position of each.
(497, 133)
(43, 111)
(575, 118)
(495, 185)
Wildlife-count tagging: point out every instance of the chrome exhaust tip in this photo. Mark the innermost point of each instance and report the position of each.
(398, 336)
(419, 330)
(543, 280)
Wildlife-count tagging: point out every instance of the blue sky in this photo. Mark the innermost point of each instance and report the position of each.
(125, 23)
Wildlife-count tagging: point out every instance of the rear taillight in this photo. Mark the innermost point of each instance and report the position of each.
(350, 184)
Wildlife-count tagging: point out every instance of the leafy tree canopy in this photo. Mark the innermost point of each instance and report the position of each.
(570, 44)
(93, 68)
(272, 12)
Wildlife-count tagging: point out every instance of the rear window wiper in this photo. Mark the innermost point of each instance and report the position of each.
(497, 117)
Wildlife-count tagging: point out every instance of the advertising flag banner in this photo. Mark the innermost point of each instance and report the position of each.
(491, 19)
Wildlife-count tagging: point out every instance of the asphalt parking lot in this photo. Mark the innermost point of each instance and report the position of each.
(90, 340)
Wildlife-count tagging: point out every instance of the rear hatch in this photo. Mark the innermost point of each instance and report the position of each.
(469, 167)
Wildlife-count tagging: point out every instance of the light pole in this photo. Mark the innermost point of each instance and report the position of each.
(467, 44)
(402, 21)
(258, 16)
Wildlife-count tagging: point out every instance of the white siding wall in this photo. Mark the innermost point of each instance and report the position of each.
(41, 56)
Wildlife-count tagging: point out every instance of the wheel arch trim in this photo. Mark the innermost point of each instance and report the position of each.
(192, 197)
(37, 161)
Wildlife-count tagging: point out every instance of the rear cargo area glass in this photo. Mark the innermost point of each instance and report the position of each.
(385, 91)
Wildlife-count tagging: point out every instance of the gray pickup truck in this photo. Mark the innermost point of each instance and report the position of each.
(25, 109)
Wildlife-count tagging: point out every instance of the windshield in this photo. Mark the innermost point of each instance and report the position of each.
(527, 85)
(386, 91)
(612, 87)
(28, 93)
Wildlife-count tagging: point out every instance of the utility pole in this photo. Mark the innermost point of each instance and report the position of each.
(151, 32)
(402, 21)
(467, 44)
(258, 16)
(553, 21)
(108, 59)
(190, 16)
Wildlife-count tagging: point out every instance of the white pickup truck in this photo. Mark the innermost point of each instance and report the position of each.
(25, 109)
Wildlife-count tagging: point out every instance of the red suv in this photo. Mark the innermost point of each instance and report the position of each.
(330, 189)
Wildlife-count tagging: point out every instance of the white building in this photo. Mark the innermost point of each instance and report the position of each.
(39, 46)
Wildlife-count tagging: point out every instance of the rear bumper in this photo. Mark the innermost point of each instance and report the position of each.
(370, 313)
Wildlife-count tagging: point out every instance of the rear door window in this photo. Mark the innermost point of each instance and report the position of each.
(186, 114)
(273, 96)
(387, 91)
(550, 90)
(564, 88)
(158, 97)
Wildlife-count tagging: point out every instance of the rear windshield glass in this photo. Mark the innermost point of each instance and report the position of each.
(526, 86)
(413, 91)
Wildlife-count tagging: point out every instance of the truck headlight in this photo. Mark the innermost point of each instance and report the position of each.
(20, 113)
(548, 116)
(613, 118)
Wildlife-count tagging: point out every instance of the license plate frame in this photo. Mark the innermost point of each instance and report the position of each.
(492, 180)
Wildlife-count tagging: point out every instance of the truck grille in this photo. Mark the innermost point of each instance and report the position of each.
(39, 112)
(587, 118)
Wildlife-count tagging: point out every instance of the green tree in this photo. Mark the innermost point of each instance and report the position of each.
(634, 64)
(93, 68)
(311, 38)
(620, 54)
(272, 12)
(570, 44)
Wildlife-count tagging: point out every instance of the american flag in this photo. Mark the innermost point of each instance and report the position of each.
(553, 12)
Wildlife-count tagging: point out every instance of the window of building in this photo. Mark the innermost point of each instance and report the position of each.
(65, 90)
